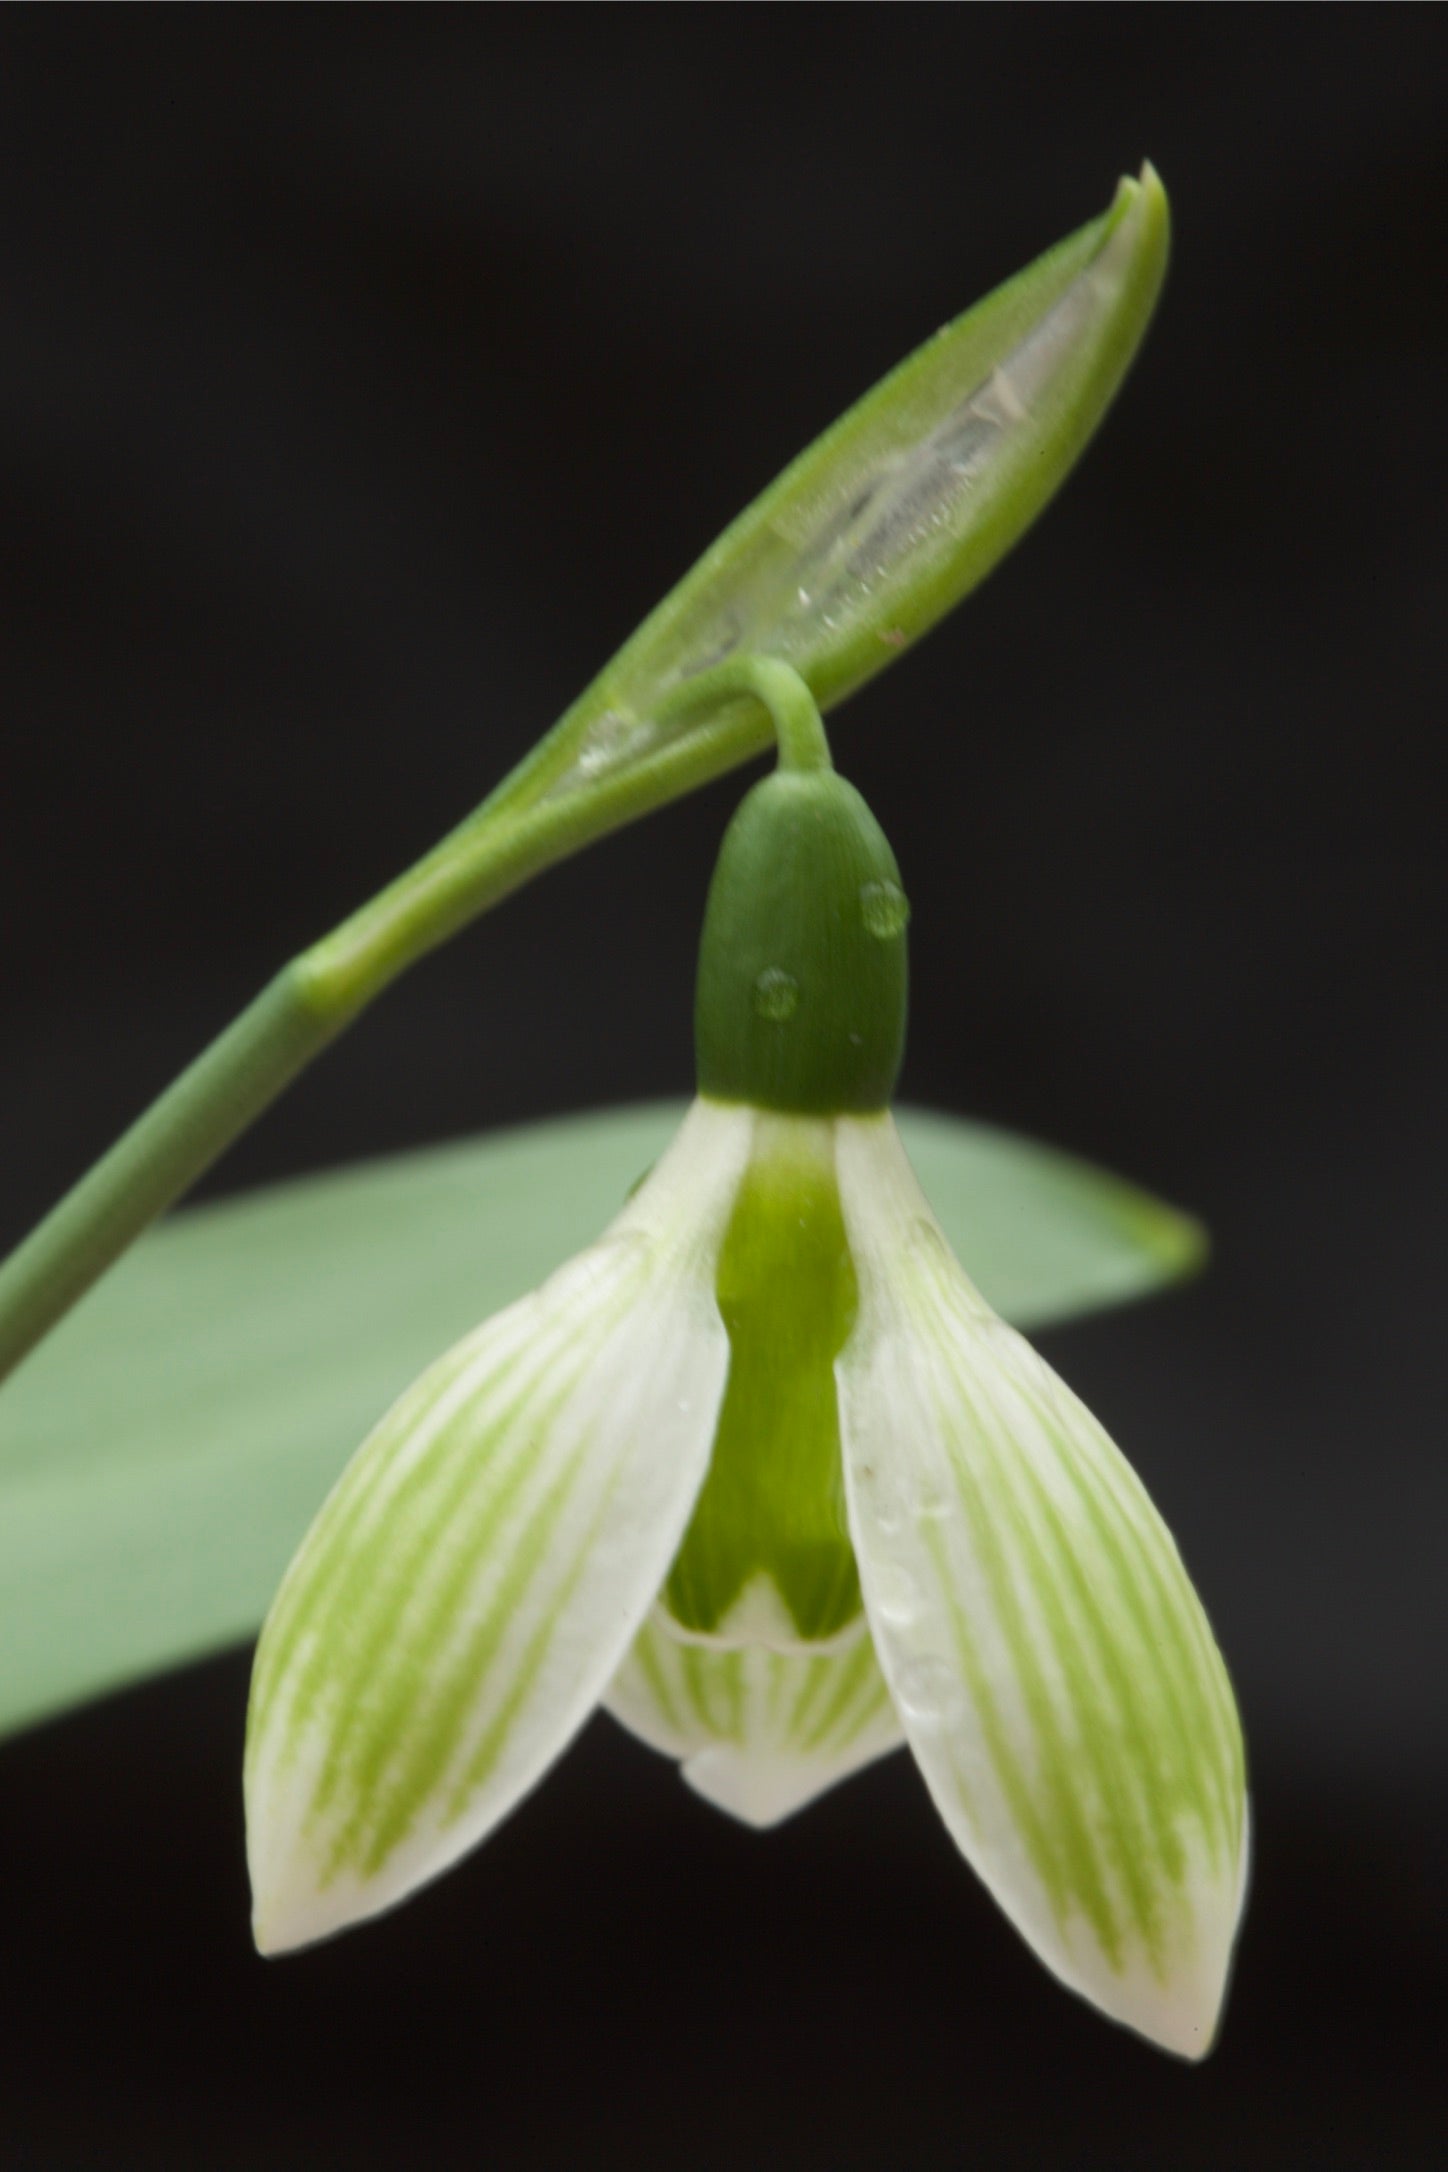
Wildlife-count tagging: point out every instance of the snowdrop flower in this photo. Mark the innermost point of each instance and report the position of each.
(763, 1474)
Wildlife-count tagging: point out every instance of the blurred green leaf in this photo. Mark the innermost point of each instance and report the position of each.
(162, 1454)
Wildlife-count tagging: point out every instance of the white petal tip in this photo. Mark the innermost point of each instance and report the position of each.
(759, 1789)
(1180, 2014)
(270, 1936)
(1184, 2015)
(293, 1906)
(270, 1941)
(1180, 2011)
(1180, 2018)
(288, 1923)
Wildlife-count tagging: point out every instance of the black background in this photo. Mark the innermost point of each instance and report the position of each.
(363, 380)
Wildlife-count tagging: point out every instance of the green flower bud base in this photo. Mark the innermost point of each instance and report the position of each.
(802, 969)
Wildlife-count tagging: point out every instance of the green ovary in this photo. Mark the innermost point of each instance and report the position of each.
(772, 1505)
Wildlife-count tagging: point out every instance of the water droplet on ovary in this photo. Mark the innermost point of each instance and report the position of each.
(884, 908)
(776, 994)
(929, 1692)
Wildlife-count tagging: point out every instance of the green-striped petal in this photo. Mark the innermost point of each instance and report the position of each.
(485, 1561)
(761, 1731)
(1054, 1671)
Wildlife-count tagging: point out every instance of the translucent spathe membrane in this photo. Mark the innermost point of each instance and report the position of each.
(906, 503)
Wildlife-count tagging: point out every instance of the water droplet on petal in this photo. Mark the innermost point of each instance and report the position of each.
(627, 1252)
(932, 1239)
(929, 1692)
(929, 1504)
(886, 1516)
(624, 1247)
(776, 994)
(884, 908)
(896, 1598)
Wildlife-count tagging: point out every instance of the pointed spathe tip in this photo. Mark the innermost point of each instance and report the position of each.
(1145, 183)
(1150, 207)
(1136, 242)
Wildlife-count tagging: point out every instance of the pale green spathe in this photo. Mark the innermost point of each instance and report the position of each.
(905, 504)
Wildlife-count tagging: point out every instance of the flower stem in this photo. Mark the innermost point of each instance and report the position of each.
(793, 710)
(545, 810)
(161, 1155)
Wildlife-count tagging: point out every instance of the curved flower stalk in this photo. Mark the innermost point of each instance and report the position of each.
(763, 1473)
